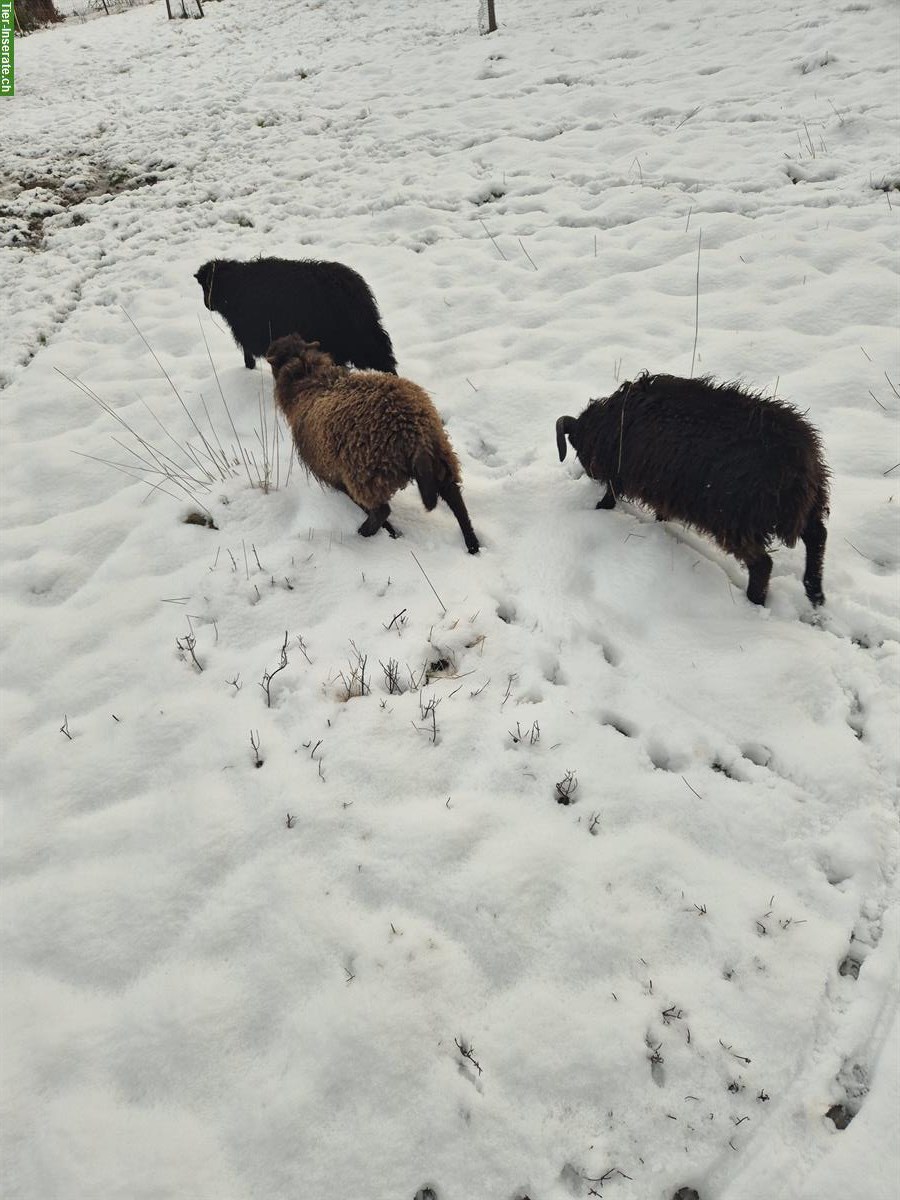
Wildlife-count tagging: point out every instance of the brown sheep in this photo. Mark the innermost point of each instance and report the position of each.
(366, 433)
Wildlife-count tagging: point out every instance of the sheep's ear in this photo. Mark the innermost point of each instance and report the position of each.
(564, 426)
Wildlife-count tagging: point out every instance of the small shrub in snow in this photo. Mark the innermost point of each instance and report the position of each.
(566, 788)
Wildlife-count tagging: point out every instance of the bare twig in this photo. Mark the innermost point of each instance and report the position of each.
(740, 1057)
(427, 711)
(494, 240)
(428, 581)
(243, 454)
(468, 1052)
(190, 417)
(398, 619)
(527, 255)
(566, 788)
(858, 551)
(697, 305)
(186, 646)
(532, 736)
(392, 676)
(268, 676)
(254, 742)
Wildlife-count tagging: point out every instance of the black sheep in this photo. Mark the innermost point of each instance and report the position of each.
(742, 468)
(267, 298)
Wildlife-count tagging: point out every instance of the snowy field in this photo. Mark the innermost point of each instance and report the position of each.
(375, 956)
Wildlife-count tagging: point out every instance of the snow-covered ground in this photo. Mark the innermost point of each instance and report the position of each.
(386, 959)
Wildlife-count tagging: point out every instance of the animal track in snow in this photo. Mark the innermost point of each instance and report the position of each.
(814, 61)
(865, 937)
(620, 724)
(506, 611)
(855, 716)
(835, 875)
(849, 966)
(722, 768)
(664, 759)
(854, 1080)
(757, 753)
(609, 652)
(552, 670)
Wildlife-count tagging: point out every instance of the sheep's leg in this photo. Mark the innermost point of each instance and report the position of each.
(392, 530)
(760, 568)
(249, 360)
(609, 499)
(375, 519)
(814, 535)
(449, 492)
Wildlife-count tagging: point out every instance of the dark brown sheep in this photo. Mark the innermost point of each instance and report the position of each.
(266, 298)
(366, 433)
(742, 468)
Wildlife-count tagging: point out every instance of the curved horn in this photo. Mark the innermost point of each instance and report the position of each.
(564, 426)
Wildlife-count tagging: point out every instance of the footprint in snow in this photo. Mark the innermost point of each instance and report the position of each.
(609, 652)
(855, 717)
(506, 611)
(726, 769)
(620, 724)
(854, 1080)
(552, 670)
(665, 759)
(757, 753)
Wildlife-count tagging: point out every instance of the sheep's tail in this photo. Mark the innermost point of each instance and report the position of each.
(439, 476)
(426, 474)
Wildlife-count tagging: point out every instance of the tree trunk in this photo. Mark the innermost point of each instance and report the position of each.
(31, 14)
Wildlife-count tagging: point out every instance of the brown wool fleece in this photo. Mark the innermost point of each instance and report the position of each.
(359, 431)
